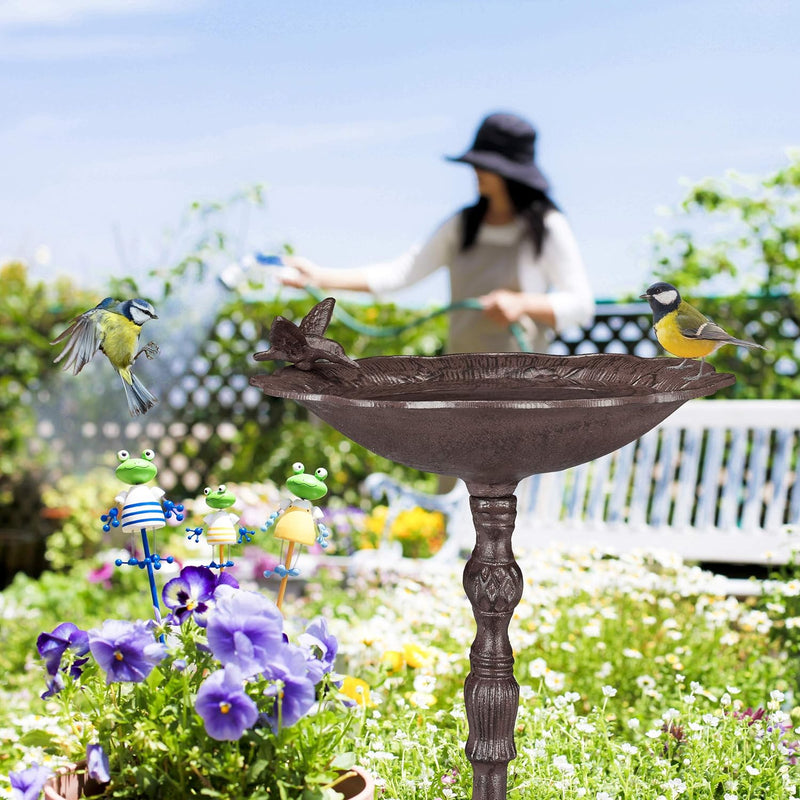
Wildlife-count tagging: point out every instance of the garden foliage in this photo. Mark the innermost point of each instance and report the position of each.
(30, 314)
(738, 237)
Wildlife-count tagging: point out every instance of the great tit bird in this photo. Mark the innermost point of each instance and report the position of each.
(113, 327)
(681, 329)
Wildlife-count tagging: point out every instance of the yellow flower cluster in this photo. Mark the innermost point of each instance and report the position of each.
(356, 689)
(421, 533)
(412, 655)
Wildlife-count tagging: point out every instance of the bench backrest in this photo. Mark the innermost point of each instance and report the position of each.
(726, 464)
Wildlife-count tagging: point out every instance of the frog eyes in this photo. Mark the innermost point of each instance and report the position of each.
(124, 455)
(298, 469)
(221, 489)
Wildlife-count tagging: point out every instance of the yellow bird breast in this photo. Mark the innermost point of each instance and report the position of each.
(120, 337)
(673, 341)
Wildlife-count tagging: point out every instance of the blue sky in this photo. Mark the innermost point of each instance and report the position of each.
(117, 115)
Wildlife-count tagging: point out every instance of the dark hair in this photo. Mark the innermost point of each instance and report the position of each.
(530, 204)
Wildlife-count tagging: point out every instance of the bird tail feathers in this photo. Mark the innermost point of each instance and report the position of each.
(744, 343)
(139, 398)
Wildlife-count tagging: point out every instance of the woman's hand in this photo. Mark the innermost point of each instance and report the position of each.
(299, 272)
(505, 307)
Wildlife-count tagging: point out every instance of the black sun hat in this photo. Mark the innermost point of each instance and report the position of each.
(504, 144)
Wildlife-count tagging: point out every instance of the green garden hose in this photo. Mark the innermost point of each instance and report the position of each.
(389, 331)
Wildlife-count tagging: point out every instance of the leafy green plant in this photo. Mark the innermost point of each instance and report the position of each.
(74, 504)
(739, 236)
(781, 602)
(30, 315)
(212, 701)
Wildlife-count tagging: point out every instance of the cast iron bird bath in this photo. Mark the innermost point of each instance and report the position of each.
(490, 419)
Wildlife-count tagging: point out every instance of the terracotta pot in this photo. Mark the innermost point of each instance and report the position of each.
(72, 783)
(69, 784)
(357, 785)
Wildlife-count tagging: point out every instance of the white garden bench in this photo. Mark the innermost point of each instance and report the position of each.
(717, 482)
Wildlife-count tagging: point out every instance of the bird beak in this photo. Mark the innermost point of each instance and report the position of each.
(644, 296)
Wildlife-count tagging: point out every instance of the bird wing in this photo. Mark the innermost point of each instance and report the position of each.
(701, 328)
(318, 319)
(83, 339)
(694, 325)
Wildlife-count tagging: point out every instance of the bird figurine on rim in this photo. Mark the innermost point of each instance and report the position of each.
(683, 330)
(113, 327)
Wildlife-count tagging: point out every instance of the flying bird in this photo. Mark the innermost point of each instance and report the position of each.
(112, 327)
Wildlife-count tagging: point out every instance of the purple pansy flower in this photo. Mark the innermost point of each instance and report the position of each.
(192, 592)
(245, 629)
(126, 651)
(27, 784)
(55, 683)
(52, 646)
(293, 688)
(97, 763)
(321, 648)
(225, 707)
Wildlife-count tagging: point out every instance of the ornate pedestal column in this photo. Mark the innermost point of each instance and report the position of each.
(493, 583)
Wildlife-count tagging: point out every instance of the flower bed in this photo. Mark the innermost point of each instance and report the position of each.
(638, 680)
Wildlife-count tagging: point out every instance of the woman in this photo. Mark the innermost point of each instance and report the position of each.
(513, 250)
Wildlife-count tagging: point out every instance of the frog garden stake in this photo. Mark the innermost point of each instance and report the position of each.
(143, 510)
(222, 530)
(297, 521)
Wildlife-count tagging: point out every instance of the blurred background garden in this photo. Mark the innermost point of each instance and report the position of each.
(160, 151)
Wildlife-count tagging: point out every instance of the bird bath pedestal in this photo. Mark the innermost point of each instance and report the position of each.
(493, 419)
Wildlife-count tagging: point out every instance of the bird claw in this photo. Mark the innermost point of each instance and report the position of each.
(150, 351)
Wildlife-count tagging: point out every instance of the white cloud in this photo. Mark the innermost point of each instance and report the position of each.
(254, 141)
(26, 13)
(38, 126)
(69, 48)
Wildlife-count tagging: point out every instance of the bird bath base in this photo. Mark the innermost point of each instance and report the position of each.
(493, 584)
(491, 419)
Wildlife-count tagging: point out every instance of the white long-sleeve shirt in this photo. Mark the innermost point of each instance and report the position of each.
(502, 257)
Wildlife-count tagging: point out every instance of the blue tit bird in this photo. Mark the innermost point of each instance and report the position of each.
(113, 327)
(681, 329)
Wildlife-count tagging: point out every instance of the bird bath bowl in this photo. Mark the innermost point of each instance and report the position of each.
(493, 419)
